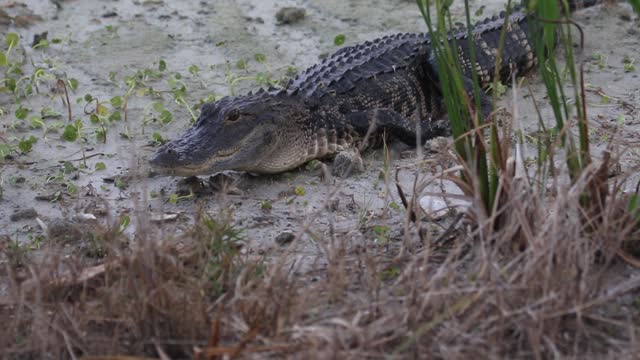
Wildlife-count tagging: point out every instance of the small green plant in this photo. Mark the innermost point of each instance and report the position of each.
(390, 273)
(299, 191)
(112, 30)
(600, 60)
(381, 232)
(26, 143)
(157, 138)
(11, 41)
(16, 253)
(266, 205)
(24, 146)
(164, 116)
(500, 89)
(72, 131)
(95, 246)
(394, 206)
(220, 242)
(465, 113)
(262, 78)
(629, 64)
(174, 198)
(21, 112)
(35, 241)
(120, 183)
(636, 6)
(125, 220)
(295, 193)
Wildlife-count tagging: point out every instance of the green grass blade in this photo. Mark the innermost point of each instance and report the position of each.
(468, 145)
(635, 4)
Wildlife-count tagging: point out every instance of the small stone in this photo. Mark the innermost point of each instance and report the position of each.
(39, 37)
(436, 145)
(290, 15)
(48, 197)
(86, 217)
(96, 208)
(258, 19)
(285, 238)
(188, 185)
(159, 218)
(347, 163)
(24, 214)
(333, 204)
(625, 16)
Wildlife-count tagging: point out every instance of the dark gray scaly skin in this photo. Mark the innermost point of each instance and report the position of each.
(386, 84)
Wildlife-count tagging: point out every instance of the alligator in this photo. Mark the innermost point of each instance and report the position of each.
(386, 85)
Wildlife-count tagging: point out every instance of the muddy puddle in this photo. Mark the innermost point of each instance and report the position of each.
(213, 46)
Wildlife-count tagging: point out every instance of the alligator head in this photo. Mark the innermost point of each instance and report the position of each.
(246, 133)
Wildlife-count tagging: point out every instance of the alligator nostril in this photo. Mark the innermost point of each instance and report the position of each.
(164, 156)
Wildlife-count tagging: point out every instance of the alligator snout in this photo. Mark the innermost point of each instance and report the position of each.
(166, 157)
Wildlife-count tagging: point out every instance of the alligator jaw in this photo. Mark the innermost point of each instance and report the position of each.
(159, 165)
(173, 159)
(178, 172)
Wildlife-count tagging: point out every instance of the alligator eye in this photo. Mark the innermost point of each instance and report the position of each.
(233, 115)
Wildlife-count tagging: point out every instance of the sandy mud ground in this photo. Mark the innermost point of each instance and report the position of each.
(102, 43)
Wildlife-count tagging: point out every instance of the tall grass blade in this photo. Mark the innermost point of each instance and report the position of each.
(635, 4)
(464, 117)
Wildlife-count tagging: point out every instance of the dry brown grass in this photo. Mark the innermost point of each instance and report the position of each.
(546, 284)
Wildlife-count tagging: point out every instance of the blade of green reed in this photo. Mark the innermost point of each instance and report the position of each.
(450, 75)
(548, 14)
(635, 4)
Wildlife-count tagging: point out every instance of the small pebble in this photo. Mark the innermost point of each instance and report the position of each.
(333, 204)
(437, 144)
(285, 238)
(625, 16)
(188, 185)
(39, 37)
(290, 15)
